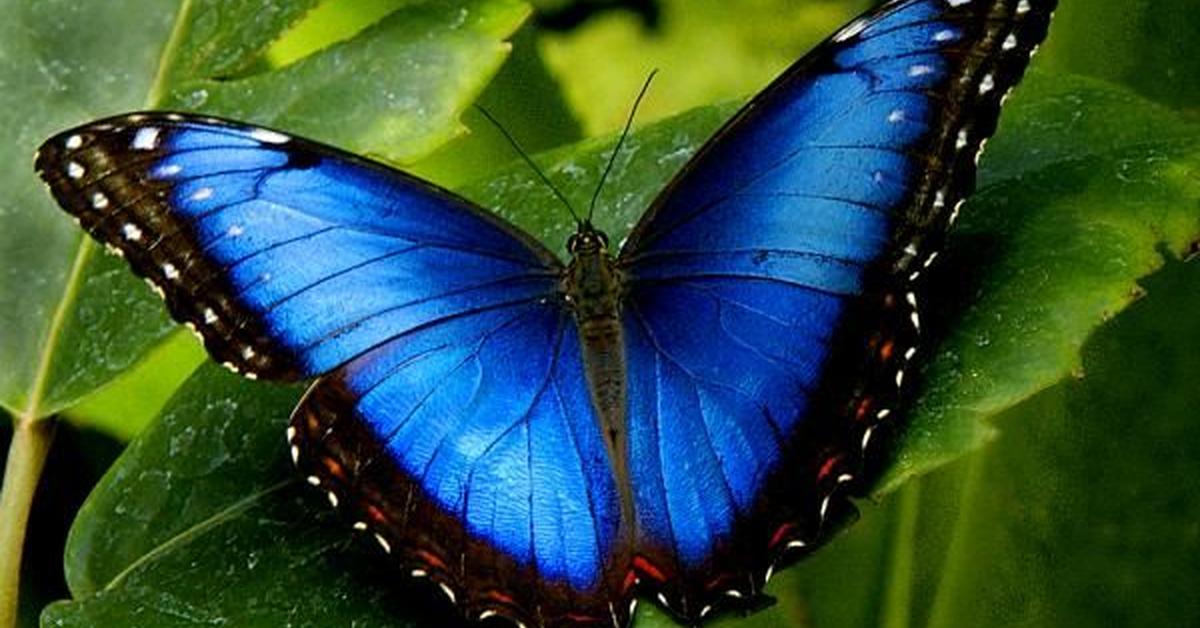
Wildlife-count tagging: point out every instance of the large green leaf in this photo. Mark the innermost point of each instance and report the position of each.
(70, 318)
(199, 522)
(1149, 45)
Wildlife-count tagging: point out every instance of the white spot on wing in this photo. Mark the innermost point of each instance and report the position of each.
(146, 138)
(74, 170)
(268, 136)
(73, 142)
(202, 194)
(169, 271)
(987, 84)
(132, 232)
(99, 200)
(852, 30)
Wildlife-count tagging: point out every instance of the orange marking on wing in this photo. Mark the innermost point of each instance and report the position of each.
(500, 598)
(864, 409)
(828, 467)
(376, 515)
(648, 568)
(431, 559)
(782, 533)
(334, 467)
(630, 581)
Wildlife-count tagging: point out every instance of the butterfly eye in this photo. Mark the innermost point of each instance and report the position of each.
(573, 243)
(603, 239)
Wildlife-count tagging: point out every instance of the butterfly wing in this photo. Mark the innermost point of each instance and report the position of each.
(287, 257)
(477, 462)
(454, 427)
(771, 308)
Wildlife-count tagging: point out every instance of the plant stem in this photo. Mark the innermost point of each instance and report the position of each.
(947, 593)
(26, 456)
(897, 602)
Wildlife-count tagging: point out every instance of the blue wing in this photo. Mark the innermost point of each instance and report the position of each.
(771, 308)
(479, 464)
(288, 258)
(456, 427)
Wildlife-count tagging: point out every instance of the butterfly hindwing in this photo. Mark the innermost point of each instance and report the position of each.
(471, 451)
(771, 308)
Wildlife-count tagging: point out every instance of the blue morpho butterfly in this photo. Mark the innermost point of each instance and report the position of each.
(547, 441)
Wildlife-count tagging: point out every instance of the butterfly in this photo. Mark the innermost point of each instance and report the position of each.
(546, 440)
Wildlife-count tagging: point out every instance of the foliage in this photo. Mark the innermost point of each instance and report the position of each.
(1046, 477)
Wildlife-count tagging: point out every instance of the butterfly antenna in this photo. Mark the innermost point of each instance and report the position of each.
(520, 151)
(612, 159)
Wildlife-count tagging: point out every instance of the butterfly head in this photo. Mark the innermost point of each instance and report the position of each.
(587, 240)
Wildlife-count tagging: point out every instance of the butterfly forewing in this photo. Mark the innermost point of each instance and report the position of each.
(287, 257)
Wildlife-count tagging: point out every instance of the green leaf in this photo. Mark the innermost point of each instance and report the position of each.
(705, 50)
(1082, 513)
(1149, 45)
(199, 523)
(70, 318)
(396, 89)
(127, 404)
(1077, 208)
(55, 73)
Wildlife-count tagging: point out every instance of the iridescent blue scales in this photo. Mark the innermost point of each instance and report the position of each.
(549, 441)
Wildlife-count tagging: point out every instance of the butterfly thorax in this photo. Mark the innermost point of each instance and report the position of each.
(591, 288)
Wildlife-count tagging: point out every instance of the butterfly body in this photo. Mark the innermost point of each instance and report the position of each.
(548, 441)
(592, 291)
